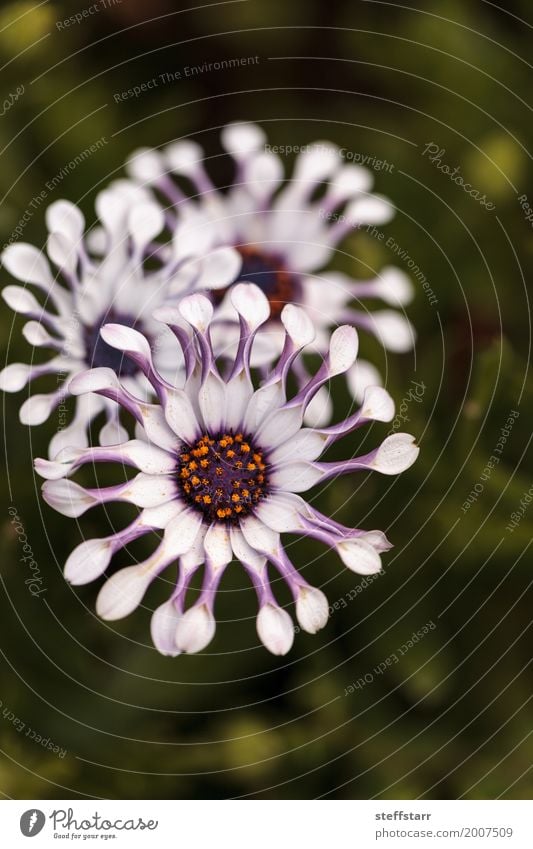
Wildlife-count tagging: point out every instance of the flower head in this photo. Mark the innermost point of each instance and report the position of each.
(220, 464)
(286, 231)
(119, 274)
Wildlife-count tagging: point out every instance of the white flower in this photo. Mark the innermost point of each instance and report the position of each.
(119, 274)
(286, 236)
(219, 462)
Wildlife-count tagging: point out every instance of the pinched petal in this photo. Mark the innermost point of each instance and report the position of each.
(163, 626)
(242, 139)
(64, 217)
(258, 536)
(195, 629)
(312, 609)
(296, 476)
(359, 556)
(217, 546)
(14, 377)
(275, 629)
(88, 561)
(396, 454)
(282, 512)
(28, 264)
(123, 592)
(67, 497)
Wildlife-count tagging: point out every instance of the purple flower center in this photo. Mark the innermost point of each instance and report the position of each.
(223, 477)
(101, 355)
(269, 272)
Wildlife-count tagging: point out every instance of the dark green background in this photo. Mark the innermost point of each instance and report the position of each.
(452, 718)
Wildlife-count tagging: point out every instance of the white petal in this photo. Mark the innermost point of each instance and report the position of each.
(163, 628)
(28, 264)
(308, 444)
(281, 513)
(197, 310)
(148, 458)
(258, 536)
(360, 376)
(146, 165)
(244, 552)
(298, 325)
(156, 428)
(145, 222)
(377, 405)
(296, 477)
(14, 377)
(21, 300)
(312, 609)
(194, 236)
(262, 174)
(262, 403)
(64, 217)
(125, 339)
(343, 348)
(182, 531)
(242, 139)
(52, 469)
(394, 286)
(212, 402)
(149, 490)
(180, 415)
(377, 540)
(184, 157)
(275, 629)
(37, 408)
(350, 180)
(279, 426)
(319, 411)
(369, 210)
(62, 251)
(396, 454)
(88, 561)
(317, 163)
(359, 556)
(93, 380)
(217, 546)
(218, 269)
(112, 433)
(36, 335)
(123, 592)
(112, 210)
(238, 393)
(67, 497)
(195, 630)
(251, 303)
(393, 330)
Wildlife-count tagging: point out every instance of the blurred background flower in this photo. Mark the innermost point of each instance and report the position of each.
(450, 717)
